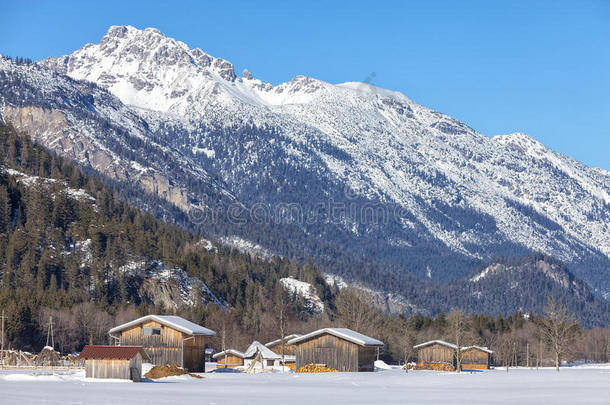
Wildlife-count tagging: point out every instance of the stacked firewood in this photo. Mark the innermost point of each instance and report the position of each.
(434, 366)
(316, 368)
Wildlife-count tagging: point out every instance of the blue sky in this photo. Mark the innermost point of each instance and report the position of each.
(539, 67)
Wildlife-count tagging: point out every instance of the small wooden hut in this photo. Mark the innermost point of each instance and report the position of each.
(166, 339)
(122, 362)
(436, 355)
(476, 358)
(290, 359)
(339, 348)
(229, 358)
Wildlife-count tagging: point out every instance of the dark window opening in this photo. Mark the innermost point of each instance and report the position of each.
(148, 331)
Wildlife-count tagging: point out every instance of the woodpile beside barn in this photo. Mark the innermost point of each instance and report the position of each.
(476, 358)
(166, 339)
(337, 348)
(440, 355)
(436, 355)
(121, 362)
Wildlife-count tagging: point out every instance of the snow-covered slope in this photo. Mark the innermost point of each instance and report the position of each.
(167, 286)
(304, 290)
(414, 187)
(93, 127)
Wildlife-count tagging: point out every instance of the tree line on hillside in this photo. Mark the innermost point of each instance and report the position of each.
(41, 222)
(519, 339)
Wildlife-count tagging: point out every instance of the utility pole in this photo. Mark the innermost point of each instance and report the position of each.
(50, 333)
(2, 318)
(514, 354)
(538, 360)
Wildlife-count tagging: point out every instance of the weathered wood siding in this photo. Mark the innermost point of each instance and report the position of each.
(475, 359)
(194, 353)
(112, 368)
(336, 353)
(435, 354)
(366, 358)
(288, 349)
(166, 348)
(232, 361)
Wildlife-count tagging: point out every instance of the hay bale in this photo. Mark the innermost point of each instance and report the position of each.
(48, 357)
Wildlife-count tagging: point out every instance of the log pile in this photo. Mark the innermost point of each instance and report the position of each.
(435, 366)
(316, 368)
(474, 367)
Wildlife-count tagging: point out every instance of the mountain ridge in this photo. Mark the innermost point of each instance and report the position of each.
(453, 197)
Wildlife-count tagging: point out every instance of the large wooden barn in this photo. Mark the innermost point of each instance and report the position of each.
(476, 358)
(122, 362)
(229, 358)
(339, 348)
(166, 339)
(436, 355)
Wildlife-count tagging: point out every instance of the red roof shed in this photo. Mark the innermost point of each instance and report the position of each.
(122, 362)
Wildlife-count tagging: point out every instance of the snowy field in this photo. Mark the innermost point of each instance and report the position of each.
(574, 385)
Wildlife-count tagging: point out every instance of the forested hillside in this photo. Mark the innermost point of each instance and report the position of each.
(65, 239)
(72, 249)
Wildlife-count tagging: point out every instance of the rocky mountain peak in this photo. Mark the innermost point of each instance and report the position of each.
(449, 189)
(144, 68)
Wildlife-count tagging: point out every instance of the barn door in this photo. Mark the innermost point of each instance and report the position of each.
(134, 374)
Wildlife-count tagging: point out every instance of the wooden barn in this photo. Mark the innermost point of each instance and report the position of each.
(290, 359)
(166, 339)
(123, 362)
(436, 355)
(229, 358)
(476, 358)
(339, 348)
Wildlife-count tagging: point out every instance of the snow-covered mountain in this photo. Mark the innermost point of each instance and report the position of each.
(352, 166)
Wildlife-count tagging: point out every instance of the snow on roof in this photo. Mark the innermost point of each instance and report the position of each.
(110, 352)
(286, 339)
(257, 346)
(484, 349)
(343, 333)
(431, 342)
(172, 321)
(236, 353)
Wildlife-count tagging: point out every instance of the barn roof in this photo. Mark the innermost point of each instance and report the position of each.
(432, 342)
(171, 321)
(109, 352)
(266, 352)
(286, 339)
(483, 349)
(342, 333)
(236, 353)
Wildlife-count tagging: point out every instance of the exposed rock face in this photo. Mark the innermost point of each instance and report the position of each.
(167, 286)
(422, 191)
(53, 128)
